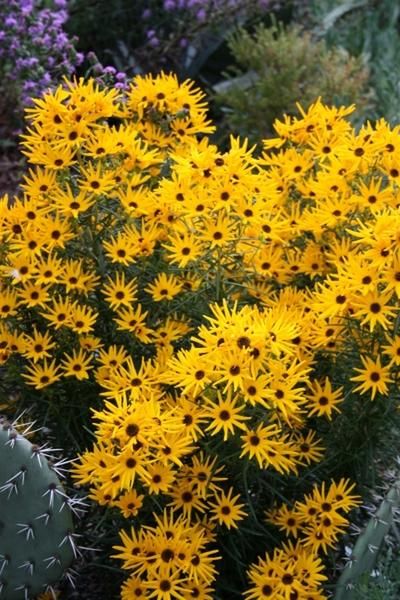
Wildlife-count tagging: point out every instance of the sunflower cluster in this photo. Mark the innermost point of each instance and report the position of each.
(291, 572)
(318, 519)
(168, 560)
(210, 308)
(295, 570)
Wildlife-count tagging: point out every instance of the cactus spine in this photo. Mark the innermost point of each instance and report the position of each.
(368, 545)
(36, 528)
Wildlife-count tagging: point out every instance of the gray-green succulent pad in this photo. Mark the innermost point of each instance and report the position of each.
(36, 529)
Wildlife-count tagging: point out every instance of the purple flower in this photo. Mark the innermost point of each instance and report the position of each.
(35, 50)
(154, 42)
(10, 22)
(201, 15)
(26, 6)
(92, 58)
(46, 80)
(33, 61)
(62, 39)
(28, 86)
(98, 69)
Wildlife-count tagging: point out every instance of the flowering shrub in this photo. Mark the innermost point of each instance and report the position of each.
(34, 50)
(211, 10)
(228, 322)
(158, 34)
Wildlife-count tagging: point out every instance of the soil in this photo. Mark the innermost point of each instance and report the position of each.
(12, 165)
(92, 583)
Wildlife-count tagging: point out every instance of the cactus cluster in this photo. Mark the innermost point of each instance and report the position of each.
(37, 542)
(368, 545)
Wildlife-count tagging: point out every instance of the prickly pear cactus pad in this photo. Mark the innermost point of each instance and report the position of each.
(36, 529)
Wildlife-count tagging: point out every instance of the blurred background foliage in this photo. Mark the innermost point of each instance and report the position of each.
(368, 29)
(276, 67)
(150, 35)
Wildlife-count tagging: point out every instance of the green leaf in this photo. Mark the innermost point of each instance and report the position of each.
(338, 12)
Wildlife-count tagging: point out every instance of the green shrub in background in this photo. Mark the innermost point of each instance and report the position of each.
(368, 29)
(277, 67)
